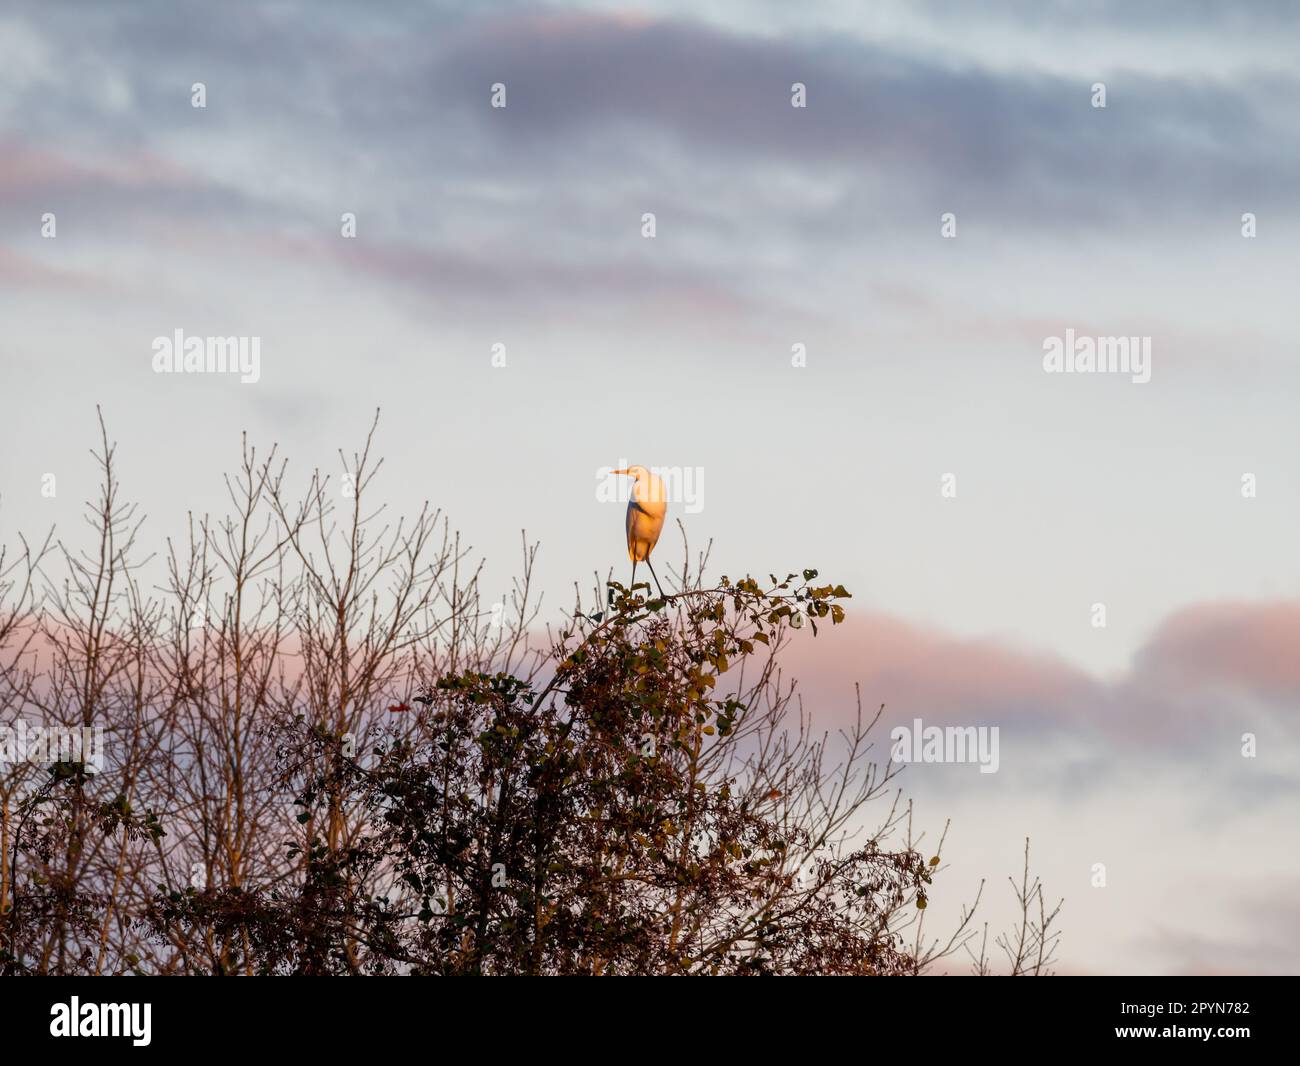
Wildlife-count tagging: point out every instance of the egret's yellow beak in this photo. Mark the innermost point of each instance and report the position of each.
(620, 471)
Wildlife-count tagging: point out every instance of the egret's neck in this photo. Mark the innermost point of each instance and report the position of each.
(649, 489)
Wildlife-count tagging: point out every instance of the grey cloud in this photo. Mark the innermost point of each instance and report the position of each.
(1270, 946)
(1018, 147)
(623, 100)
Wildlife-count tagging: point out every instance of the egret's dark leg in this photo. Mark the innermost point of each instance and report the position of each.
(656, 577)
(633, 585)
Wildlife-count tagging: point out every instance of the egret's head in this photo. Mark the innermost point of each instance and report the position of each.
(638, 472)
(646, 486)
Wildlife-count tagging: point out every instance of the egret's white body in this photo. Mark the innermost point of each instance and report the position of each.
(646, 511)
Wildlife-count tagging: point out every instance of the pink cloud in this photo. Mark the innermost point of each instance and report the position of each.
(21, 270)
(1251, 646)
(913, 670)
(451, 276)
(1175, 688)
(30, 169)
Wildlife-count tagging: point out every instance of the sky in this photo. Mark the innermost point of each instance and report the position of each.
(836, 333)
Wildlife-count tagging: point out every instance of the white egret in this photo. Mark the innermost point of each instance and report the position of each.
(646, 510)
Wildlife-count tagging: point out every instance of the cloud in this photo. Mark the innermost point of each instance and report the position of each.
(619, 105)
(1206, 668)
(1255, 647)
(912, 669)
(23, 271)
(763, 208)
(1017, 147)
(1259, 935)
